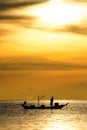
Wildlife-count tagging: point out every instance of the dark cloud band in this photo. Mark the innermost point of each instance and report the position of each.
(46, 65)
(6, 5)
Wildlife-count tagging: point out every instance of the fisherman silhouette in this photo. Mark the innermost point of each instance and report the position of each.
(24, 103)
(51, 101)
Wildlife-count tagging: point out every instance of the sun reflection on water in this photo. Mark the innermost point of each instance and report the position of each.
(54, 123)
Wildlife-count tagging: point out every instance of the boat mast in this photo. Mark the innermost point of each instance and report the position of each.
(38, 101)
(39, 98)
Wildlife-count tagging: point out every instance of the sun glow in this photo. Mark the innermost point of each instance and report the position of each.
(58, 13)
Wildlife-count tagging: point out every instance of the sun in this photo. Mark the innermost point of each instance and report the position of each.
(58, 13)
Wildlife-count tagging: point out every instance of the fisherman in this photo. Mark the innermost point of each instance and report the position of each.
(51, 101)
(24, 103)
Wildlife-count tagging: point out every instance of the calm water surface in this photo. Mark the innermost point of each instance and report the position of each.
(72, 117)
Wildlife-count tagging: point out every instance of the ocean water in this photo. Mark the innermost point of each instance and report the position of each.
(72, 117)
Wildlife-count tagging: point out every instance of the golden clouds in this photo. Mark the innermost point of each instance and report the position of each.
(43, 46)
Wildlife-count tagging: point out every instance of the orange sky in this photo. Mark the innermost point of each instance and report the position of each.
(43, 49)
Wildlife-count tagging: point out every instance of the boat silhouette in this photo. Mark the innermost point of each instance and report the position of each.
(52, 106)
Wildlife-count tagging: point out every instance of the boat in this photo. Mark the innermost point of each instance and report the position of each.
(52, 106)
(44, 107)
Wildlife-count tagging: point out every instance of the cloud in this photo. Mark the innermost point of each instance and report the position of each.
(18, 20)
(37, 65)
(6, 5)
(75, 29)
(76, 1)
(83, 1)
(82, 30)
(12, 17)
(15, 19)
(29, 21)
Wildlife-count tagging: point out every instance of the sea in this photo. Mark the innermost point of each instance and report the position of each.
(72, 117)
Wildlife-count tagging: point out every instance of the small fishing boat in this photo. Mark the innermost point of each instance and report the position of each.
(55, 106)
(43, 106)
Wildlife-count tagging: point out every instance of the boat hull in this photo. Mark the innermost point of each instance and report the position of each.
(44, 107)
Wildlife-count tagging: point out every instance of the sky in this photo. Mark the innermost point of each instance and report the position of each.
(43, 49)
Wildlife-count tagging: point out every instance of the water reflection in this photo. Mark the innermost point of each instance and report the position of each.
(70, 118)
(14, 117)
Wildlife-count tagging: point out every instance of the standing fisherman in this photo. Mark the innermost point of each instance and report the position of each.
(51, 101)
